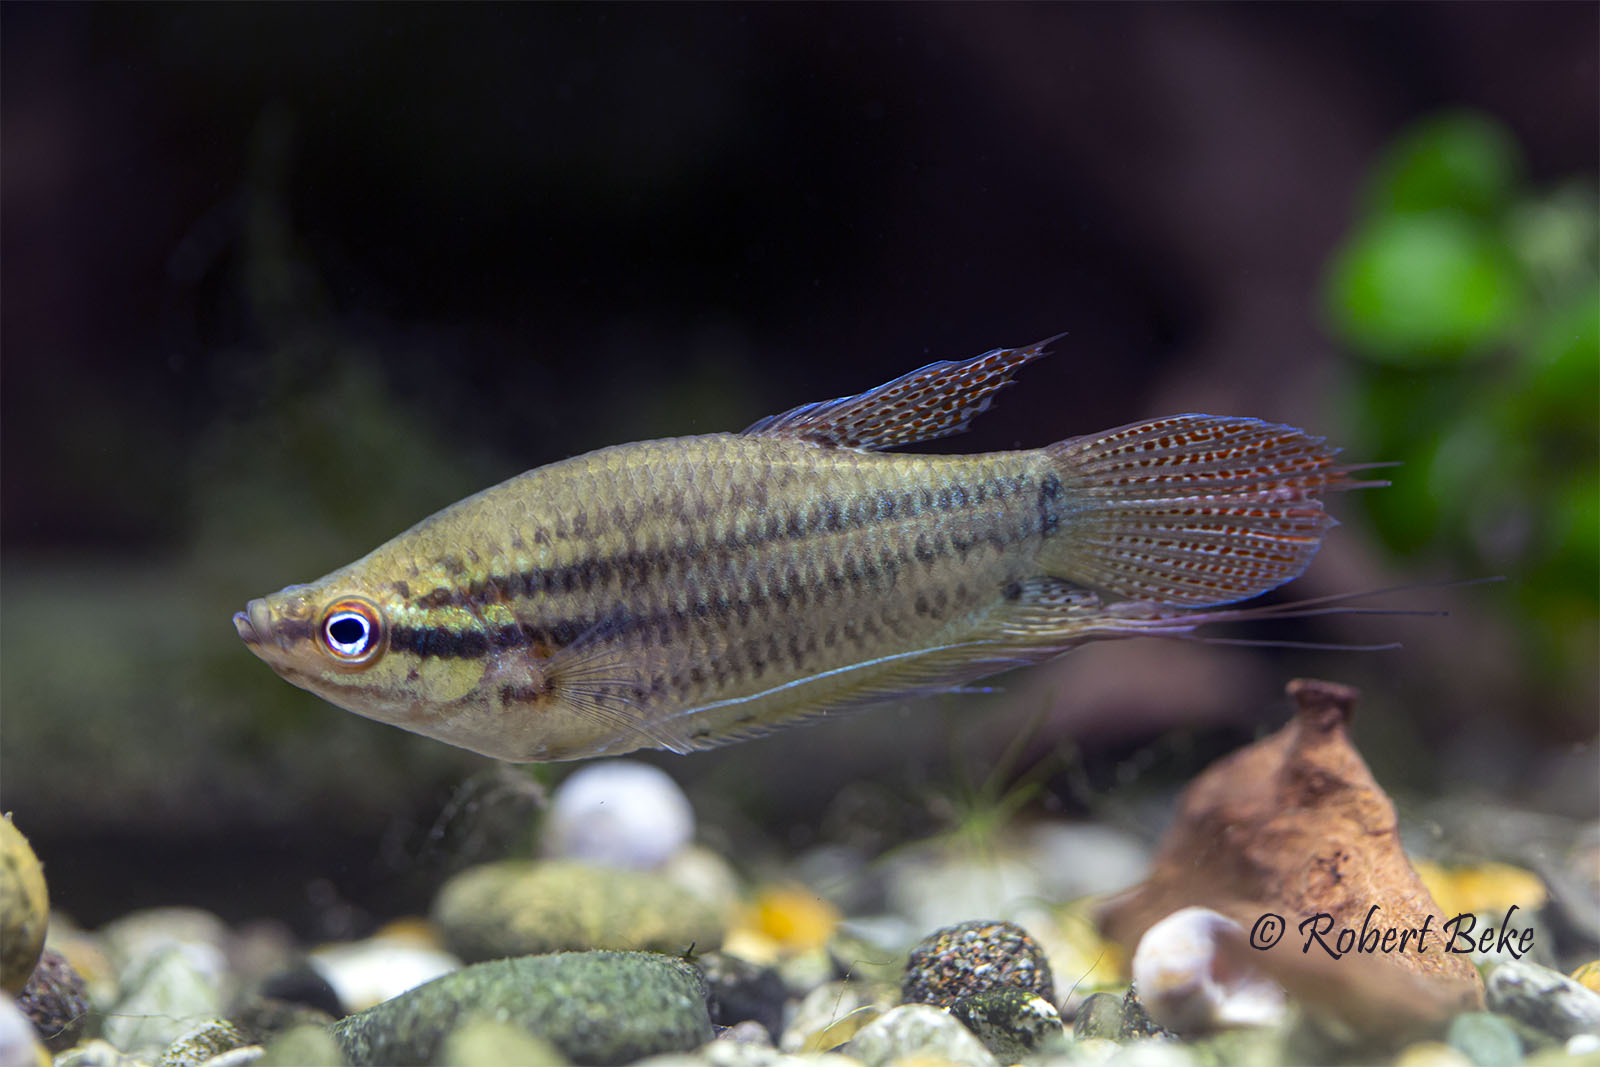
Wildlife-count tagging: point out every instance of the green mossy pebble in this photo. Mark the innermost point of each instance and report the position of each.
(595, 1007)
(1099, 1016)
(488, 1043)
(300, 1046)
(1486, 1039)
(1011, 1022)
(520, 908)
(1136, 1022)
(199, 1043)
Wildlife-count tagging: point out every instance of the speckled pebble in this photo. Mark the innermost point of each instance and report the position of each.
(1099, 1016)
(1544, 999)
(201, 1042)
(243, 1056)
(56, 999)
(1485, 1039)
(959, 961)
(918, 1029)
(1136, 1022)
(1011, 1023)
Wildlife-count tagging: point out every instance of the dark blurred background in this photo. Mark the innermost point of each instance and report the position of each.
(280, 280)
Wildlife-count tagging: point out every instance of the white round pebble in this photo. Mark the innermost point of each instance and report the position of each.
(369, 972)
(618, 813)
(1175, 970)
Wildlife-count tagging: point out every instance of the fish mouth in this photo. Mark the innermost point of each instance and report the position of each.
(254, 623)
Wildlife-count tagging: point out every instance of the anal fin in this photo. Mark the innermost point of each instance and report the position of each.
(934, 401)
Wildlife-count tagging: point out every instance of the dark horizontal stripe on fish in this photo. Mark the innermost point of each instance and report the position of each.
(825, 516)
(673, 625)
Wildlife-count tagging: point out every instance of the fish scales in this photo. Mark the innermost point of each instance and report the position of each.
(687, 592)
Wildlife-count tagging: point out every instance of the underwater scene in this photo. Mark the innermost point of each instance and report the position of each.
(800, 535)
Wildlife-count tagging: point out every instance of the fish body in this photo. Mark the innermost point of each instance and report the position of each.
(688, 592)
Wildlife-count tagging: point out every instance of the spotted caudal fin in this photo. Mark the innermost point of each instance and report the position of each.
(1192, 510)
(935, 401)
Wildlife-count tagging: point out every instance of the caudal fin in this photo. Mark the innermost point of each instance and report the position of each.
(1192, 510)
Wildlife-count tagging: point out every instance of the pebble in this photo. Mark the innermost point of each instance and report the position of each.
(1099, 1016)
(919, 1030)
(98, 1053)
(937, 890)
(618, 813)
(302, 1046)
(199, 1044)
(724, 1053)
(595, 1007)
(830, 1015)
(1176, 971)
(517, 908)
(1136, 1022)
(1010, 1022)
(1485, 1039)
(740, 991)
(175, 989)
(1084, 859)
(959, 961)
(492, 1043)
(364, 973)
(134, 939)
(1544, 999)
(1152, 1053)
(19, 1045)
(56, 999)
(24, 908)
(1432, 1054)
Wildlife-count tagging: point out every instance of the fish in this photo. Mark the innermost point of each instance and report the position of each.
(690, 592)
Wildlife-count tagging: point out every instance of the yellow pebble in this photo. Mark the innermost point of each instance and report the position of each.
(1483, 887)
(1588, 975)
(24, 908)
(796, 918)
(1432, 1054)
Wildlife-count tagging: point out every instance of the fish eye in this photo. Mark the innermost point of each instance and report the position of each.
(351, 631)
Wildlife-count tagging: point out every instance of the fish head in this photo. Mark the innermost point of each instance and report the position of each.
(332, 638)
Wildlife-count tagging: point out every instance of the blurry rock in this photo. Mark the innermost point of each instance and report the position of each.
(706, 875)
(749, 1033)
(738, 991)
(1588, 976)
(595, 1007)
(794, 917)
(19, 1044)
(200, 1043)
(1294, 828)
(56, 999)
(1546, 1000)
(921, 1031)
(24, 908)
(1011, 1022)
(138, 936)
(518, 908)
(1432, 1054)
(175, 989)
(364, 973)
(491, 1043)
(1082, 859)
(1153, 1053)
(98, 1053)
(959, 961)
(302, 983)
(618, 813)
(1099, 1016)
(302, 1046)
(830, 1015)
(1190, 987)
(936, 887)
(1485, 1039)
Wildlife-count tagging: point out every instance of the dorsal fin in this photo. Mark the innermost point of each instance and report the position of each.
(934, 401)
